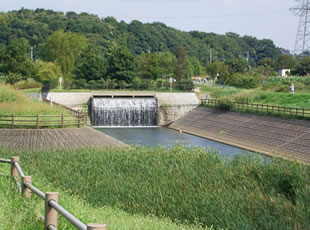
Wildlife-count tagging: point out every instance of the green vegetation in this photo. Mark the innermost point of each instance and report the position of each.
(14, 101)
(186, 185)
(99, 53)
(19, 214)
(261, 95)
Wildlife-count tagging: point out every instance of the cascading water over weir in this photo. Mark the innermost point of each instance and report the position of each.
(123, 111)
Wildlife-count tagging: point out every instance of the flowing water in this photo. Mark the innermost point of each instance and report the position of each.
(122, 112)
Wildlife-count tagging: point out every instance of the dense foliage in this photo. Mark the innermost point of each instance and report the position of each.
(183, 184)
(91, 51)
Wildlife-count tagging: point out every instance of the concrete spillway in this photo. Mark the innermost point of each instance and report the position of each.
(123, 111)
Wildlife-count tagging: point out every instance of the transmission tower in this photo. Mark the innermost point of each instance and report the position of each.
(303, 33)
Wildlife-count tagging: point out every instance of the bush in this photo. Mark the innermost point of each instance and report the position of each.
(225, 104)
(247, 80)
(185, 85)
(27, 85)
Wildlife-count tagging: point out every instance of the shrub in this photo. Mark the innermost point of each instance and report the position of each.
(27, 85)
(186, 85)
(225, 104)
(247, 80)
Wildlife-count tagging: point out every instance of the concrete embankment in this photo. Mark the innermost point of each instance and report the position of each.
(273, 136)
(70, 138)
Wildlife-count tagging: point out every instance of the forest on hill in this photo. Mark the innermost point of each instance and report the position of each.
(92, 51)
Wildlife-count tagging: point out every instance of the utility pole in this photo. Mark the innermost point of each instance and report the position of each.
(210, 56)
(302, 43)
(31, 53)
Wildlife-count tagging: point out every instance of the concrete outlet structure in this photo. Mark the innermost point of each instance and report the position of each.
(171, 106)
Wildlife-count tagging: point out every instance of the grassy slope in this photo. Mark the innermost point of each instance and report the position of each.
(15, 101)
(299, 100)
(186, 184)
(16, 213)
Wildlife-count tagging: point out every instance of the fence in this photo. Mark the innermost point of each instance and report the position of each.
(52, 207)
(297, 112)
(41, 121)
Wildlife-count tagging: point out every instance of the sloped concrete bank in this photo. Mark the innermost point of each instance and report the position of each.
(171, 106)
(289, 139)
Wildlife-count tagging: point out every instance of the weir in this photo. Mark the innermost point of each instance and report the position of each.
(123, 111)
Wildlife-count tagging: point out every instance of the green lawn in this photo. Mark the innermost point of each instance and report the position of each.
(299, 99)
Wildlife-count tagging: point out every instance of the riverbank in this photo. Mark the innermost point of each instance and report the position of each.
(289, 139)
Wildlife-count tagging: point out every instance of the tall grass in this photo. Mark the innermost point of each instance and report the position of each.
(15, 101)
(187, 185)
(17, 213)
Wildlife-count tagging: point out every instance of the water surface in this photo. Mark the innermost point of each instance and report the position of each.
(167, 137)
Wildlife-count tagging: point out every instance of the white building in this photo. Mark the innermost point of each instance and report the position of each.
(284, 72)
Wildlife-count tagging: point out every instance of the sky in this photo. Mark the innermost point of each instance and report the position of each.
(270, 19)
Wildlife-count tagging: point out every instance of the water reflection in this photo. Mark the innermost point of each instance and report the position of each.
(167, 137)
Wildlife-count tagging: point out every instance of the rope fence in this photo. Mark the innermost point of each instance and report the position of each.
(52, 207)
(296, 112)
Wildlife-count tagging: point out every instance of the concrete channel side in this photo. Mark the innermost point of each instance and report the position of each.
(171, 106)
(288, 139)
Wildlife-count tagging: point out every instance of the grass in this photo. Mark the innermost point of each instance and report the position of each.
(297, 100)
(16, 102)
(188, 186)
(17, 213)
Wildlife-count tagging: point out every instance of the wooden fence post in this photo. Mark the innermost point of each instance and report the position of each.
(96, 227)
(62, 121)
(38, 125)
(79, 119)
(51, 215)
(14, 172)
(13, 125)
(26, 191)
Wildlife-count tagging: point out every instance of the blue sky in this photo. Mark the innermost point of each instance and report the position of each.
(260, 18)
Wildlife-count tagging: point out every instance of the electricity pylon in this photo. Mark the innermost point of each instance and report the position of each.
(302, 44)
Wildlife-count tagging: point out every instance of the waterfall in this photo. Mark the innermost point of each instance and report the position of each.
(123, 111)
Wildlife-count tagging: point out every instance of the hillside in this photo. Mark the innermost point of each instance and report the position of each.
(37, 25)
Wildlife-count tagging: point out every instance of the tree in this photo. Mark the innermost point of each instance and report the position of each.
(167, 62)
(196, 67)
(15, 59)
(182, 64)
(91, 65)
(122, 64)
(64, 48)
(285, 61)
(267, 62)
(149, 66)
(219, 70)
(303, 67)
(46, 72)
(237, 65)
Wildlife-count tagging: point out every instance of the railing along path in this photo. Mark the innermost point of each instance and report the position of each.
(298, 112)
(52, 207)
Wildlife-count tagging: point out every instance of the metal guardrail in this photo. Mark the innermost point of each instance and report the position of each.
(51, 200)
(298, 112)
(5, 161)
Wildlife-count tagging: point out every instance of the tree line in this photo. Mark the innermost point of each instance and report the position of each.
(90, 51)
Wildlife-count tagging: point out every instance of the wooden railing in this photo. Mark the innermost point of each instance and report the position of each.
(52, 207)
(274, 109)
(41, 121)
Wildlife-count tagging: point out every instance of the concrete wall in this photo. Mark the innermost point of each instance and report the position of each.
(171, 106)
